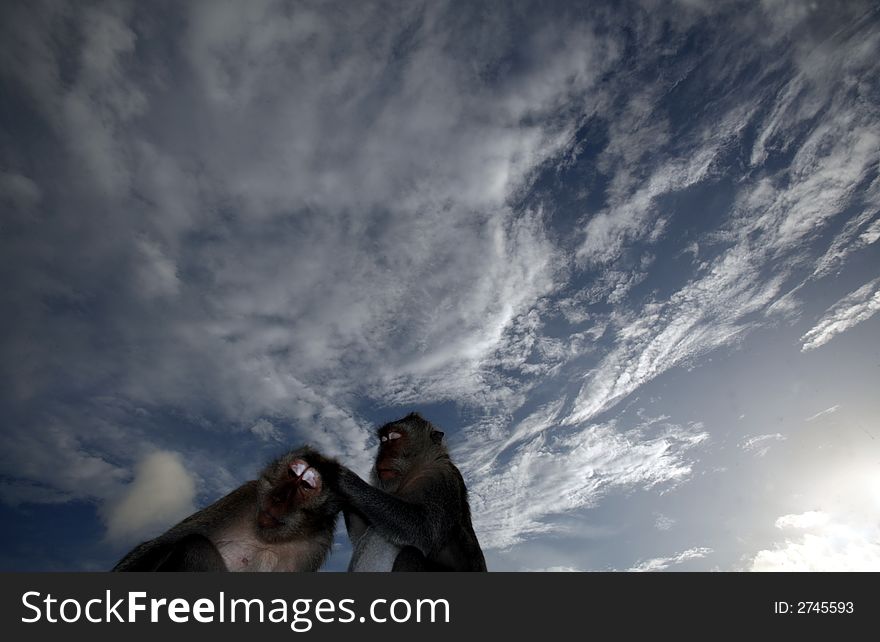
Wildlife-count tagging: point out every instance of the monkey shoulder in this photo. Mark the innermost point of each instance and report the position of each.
(215, 522)
(232, 506)
(440, 487)
(439, 475)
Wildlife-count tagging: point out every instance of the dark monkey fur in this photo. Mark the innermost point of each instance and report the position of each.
(415, 516)
(283, 521)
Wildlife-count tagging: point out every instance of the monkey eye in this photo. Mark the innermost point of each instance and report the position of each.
(297, 467)
(383, 438)
(393, 435)
(310, 479)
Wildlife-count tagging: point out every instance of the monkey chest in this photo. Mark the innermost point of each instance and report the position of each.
(240, 558)
(244, 554)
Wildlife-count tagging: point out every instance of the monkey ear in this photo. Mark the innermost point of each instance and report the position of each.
(436, 436)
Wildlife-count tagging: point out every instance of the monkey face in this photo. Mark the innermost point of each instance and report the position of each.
(288, 488)
(393, 442)
(401, 441)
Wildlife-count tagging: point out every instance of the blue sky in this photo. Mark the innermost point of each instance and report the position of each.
(624, 255)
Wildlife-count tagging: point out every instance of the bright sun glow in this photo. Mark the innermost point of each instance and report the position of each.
(843, 536)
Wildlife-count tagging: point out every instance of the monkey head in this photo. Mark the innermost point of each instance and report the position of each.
(293, 495)
(404, 444)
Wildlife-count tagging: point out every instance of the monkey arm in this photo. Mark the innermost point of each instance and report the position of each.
(355, 524)
(405, 523)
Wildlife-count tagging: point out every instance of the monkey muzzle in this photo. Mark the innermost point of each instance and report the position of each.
(267, 520)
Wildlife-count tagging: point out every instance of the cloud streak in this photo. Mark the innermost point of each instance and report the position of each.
(856, 307)
(760, 444)
(573, 470)
(773, 216)
(663, 563)
(824, 413)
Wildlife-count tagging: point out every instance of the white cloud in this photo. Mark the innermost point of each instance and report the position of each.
(567, 471)
(662, 563)
(858, 232)
(824, 413)
(837, 549)
(831, 546)
(760, 444)
(871, 234)
(859, 305)
(663, 522)
(266, 430)
(161, 493)
(841, 534)
(810, 519)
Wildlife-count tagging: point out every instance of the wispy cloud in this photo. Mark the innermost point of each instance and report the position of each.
(663, 522)
(772, 218)
(859, 232)
(760, 444)
(859, 305)
(76, 473)
(662, 563)
(572, 470)
(824, 413)
(266, 430)
(702, 316)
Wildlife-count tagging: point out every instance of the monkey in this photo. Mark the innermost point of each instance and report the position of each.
(283, 521)
(415, 516)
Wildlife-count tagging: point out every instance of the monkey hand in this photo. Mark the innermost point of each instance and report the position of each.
(328, 469)
(349, 483)
(340, 479)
